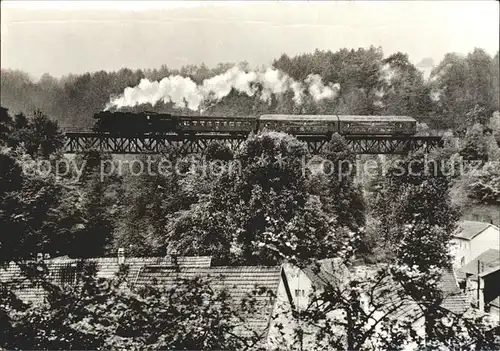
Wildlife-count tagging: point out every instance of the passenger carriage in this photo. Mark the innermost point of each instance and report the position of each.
(376, 125)
(300, 124)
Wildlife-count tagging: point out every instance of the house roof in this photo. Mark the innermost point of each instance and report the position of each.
(395, 297)
(495, 302)
(238, 282)
(470, 229)
(489, 271)
(454, 299)
(390, 296)
(488, 260)
(106, 267)
(325, 272)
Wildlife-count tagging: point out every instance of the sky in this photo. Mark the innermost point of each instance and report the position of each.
(59, 37)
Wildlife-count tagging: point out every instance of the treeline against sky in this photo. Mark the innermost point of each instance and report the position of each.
(461, 90)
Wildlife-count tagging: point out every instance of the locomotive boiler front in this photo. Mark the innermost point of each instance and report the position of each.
(129, 123)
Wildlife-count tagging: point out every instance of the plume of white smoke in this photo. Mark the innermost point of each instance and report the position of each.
(183, 92)
(273, 82)
(220, 86)
(297, 89)
(319, 91)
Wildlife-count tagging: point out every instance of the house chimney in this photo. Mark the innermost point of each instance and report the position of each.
(39, 257)
(121, 255)
(173, 257)
(46, 256)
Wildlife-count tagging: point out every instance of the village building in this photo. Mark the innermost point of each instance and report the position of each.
(288, 289)
(382, 298)
(472, 239)
(481, 282)
(259, 283)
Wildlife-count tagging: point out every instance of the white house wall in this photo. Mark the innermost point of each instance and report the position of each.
(488, 239)
(460, 251)
(282, 329)
(470, 249)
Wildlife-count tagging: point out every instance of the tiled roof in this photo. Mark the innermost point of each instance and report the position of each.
(327, 271)
(454, 300)
(489, 271)
(239, 282)
(495, 302)
(489, 259)
(60, 268)
(389, 296)
(469, 229)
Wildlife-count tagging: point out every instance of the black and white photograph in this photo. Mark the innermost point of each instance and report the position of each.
(250, 175)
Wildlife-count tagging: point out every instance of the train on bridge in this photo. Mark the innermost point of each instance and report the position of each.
(151, 123)
(150, 132)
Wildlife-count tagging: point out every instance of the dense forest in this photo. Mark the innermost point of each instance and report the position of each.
(461, 89)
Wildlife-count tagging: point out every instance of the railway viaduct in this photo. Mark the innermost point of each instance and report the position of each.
(77, 142)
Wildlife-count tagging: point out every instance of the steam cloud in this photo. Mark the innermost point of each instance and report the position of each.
(183, 92)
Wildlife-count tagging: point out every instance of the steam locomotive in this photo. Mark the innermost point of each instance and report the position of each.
(126, 123)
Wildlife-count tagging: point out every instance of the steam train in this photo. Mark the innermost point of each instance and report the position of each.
(126, 123)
